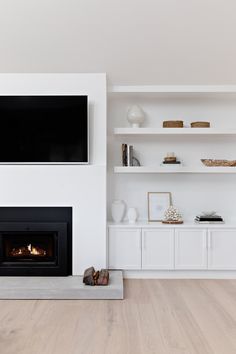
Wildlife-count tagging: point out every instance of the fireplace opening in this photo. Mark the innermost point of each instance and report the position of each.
(36, 241)
(29, 247)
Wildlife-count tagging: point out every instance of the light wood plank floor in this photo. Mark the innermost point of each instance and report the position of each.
(157, 316)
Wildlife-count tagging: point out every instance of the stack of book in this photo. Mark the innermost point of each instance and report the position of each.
(128, 158)
(209, 219)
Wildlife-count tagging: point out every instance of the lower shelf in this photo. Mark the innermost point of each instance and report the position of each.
(187, 224)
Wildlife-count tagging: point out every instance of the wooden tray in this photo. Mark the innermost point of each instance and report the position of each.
(218, 163)
(172, 222)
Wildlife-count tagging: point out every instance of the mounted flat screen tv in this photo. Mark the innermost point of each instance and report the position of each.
(44, 129)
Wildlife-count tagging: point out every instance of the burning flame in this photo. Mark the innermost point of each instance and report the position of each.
(34, 251)
(28, 250)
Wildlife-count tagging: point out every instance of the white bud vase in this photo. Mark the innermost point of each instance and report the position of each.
(132, 215)
(117, 210)
(135, 116)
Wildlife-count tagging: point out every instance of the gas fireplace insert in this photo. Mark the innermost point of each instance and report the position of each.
(40, 246)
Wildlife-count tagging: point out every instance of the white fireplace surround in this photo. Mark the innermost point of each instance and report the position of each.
(82, 187)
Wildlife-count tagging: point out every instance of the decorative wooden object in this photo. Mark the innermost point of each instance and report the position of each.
(170, 159)
(200, 125)
(173, 124)
(218, 163)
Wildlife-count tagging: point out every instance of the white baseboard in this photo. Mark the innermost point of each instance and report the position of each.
(190, 274)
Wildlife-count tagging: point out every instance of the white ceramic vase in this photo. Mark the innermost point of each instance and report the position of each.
(117, 210)
(132, 215)
(135, 116)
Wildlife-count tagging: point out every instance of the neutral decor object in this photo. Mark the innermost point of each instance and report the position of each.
(218, 163)
(172, 216)
(135, 116)
(132, 215)
(200, 125)
(136, 162)
(158, 202)
(170, 159)
(208, 213)
(173, 124)
(117, 210)
(170, 162)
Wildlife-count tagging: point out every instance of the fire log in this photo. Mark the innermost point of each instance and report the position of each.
(103, 278)
(88, 278)
(95, 277)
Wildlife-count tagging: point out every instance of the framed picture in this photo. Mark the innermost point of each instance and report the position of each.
(158, 203)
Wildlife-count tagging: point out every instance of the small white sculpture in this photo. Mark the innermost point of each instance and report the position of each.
(172, 216)
(132, 215)
(135, 116)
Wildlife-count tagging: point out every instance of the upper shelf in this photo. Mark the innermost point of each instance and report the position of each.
(173, 89)
(174, 131)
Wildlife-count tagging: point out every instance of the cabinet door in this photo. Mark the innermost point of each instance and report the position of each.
(222, 249)
(157, 249)
(124, 248)
(190, 249)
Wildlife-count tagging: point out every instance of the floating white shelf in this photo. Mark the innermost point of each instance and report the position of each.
(187, 224)
(174, 131)
(173, 89)
(161, 170)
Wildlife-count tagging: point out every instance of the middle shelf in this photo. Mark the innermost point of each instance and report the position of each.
(158, 169)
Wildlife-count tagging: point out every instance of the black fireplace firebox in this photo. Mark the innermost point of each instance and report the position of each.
(36, 241)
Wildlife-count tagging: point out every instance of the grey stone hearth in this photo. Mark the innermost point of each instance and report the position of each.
(60, 288)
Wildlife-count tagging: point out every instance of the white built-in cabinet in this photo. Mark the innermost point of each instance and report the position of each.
(190, 249)
(222, 249)
(125, 248)
(157, 249)
(171, 248)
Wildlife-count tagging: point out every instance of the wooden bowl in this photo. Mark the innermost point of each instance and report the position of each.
(173, 124)
(200, 125)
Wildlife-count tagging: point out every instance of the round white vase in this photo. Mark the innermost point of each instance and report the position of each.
(135, 116)
(117, 210)
(132, 215)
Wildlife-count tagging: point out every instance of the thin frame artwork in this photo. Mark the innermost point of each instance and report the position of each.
(158, 203)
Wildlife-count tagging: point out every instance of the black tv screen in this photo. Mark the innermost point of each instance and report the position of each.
(43, 129)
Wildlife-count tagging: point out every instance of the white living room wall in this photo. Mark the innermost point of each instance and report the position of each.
(133, 41)
(82, 187)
